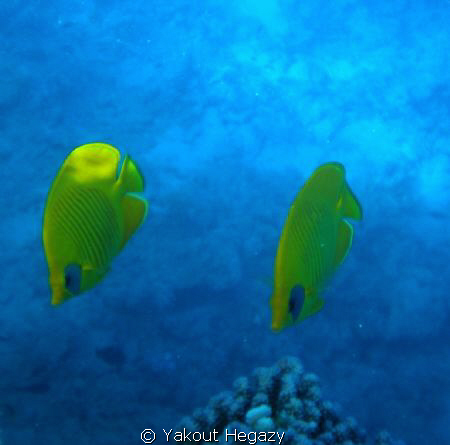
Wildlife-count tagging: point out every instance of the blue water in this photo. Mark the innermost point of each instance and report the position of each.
(227, 107)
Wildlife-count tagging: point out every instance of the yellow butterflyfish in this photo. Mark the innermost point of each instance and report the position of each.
(90, 214)
(315, 240)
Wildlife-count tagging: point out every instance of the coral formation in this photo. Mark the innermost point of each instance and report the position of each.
(283, 399)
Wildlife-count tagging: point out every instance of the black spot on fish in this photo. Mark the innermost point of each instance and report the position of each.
(296, 300)
(112, 355)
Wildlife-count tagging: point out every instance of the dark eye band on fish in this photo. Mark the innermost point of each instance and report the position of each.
(72, 278)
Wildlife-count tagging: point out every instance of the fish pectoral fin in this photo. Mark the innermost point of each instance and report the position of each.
(311, 306)
(130, 177)
(135, 210)
(351, 208)
(344, 242)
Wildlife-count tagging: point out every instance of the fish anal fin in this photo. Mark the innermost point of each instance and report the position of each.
(135, 210)
(351, 208)
(312, 305)
(344, 241)
(130, 177)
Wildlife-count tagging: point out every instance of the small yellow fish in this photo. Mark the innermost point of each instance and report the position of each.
(314, 242)
(89, 216)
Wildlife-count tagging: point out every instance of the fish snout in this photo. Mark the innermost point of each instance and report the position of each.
(57, 295)
(277, 321)
(56, 281)
(279, 308)
(59, 291)
(276, 327)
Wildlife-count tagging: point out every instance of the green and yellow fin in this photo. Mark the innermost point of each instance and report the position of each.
(326, 181)
(130, 177)
(135, 210)
(344, 241)
(311, 306)
(96, 161)
(351, 208)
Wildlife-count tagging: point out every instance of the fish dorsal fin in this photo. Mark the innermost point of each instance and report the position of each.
(134, 210)
(351, 208)
(312, 305)
(344, 242)
(93, 162)
(130, 177)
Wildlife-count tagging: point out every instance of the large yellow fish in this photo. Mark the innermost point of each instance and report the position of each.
(90, 214)
(314, 242)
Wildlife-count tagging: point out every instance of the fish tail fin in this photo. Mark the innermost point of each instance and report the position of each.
(130, 177)
(351, 208)
(326, 181)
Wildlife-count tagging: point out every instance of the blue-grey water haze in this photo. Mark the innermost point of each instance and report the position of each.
(227, 107)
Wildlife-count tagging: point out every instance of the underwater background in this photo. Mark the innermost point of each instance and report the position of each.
(227, 107)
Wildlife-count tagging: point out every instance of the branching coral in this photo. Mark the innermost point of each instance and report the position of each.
(283, 399)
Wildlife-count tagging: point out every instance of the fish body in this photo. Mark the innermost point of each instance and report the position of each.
(314, 241)
(90, 213)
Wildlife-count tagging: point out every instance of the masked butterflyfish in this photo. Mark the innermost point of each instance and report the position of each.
(90, 214)
(315, 239)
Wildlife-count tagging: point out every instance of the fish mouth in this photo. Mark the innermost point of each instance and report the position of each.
(59, 295)
(276, 326)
